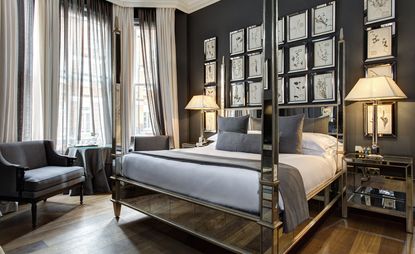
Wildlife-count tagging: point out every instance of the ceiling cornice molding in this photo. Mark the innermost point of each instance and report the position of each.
(187, 6)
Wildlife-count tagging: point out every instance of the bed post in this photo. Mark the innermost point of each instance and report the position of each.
(271, 226)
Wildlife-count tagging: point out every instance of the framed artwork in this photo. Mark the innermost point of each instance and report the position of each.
(297, 26)
(237, 68)
(255, 65)
(386, 119)
(281, 31)
(280, 89)
(379, 10)
(238, 94)
(379, 42)
(210, 49)
(254, 37)
(297, 89)
(210, 72)
(280, 61)
(298, 58)
(255, 90)
(210, 117)
(323, 19)
(211, 91)
(376, 70)
(324, 53)
(324, 88)
(237, 42)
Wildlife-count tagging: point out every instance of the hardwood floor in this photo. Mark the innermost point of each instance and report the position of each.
(67, 227)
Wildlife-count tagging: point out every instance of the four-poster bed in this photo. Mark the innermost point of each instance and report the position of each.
(183, 189)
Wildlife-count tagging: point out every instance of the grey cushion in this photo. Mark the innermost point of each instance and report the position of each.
(30, 154)
(233, 124)
(239, 142)
(255, 124)
(291, 134)
(43, 178)
(151, 143)
(317, 125)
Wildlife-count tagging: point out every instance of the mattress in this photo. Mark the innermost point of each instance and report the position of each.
(235, 188)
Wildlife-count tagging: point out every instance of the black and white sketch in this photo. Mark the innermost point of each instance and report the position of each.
(255, 93)
(324, 19)
(298, 91)
(281, 30)
(324, 87)
(386, 119)
(280, 61)
(210, 72)
(297, 26)
(280, 88)
(211, 91)
(238, 94)
(210, 117)
(324, 55)
(298, 58)
(210, 49)
(380, 70)
(237, 68)
(379, 42)
(379, 10)
(237, 42)
(255, 65)
(254, 38)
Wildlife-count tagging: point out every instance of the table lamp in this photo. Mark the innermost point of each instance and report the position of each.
(203, 103)
(375, 89)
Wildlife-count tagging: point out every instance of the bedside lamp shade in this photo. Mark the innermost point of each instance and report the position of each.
(202, 102)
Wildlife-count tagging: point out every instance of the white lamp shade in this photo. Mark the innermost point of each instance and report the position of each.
(202, 102)
(375, 89)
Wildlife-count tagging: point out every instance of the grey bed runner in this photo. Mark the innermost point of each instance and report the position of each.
(291, 184)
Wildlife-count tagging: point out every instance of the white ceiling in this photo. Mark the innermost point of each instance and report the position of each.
(187, 6)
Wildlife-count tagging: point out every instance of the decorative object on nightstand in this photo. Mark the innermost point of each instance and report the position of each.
(203, 103)
(375, 89)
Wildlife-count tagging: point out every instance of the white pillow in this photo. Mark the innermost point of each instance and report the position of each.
(318, 143)
(213, 138)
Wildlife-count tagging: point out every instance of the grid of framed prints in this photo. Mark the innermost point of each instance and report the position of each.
(210, 117)
(306, 57)
(210, 60)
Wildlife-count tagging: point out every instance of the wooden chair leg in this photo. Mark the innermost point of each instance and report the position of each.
(81, 194)
(117, 210)
(34, 215)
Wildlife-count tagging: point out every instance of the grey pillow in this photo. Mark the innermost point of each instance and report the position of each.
(317, 125)
(291, 134)
(239, 142)
(233, 124)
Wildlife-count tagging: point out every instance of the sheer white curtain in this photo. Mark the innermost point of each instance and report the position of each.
(124, 18)
(166, 44)
(8, 70)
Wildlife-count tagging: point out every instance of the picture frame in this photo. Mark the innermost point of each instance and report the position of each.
(210, 72)
(324, 86)
(211, 91)
(280, 89)
(381, 69)
(281, 31)
(238, 94)
(323, 19)
(280, 61)
(210, 49)
(324, 53)
(298, 89)
(380, 42)
(297, 24)
(387, 113)
(254, 38)
(210, 117)
(255, 91)
(255, 65)
(377, 11)
(298, 58)
(237, 68)
(237, 42)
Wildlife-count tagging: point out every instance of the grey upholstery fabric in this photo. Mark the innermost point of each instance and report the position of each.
(239, 142)
(291, 134)
(62, 186)
(233, 124)
(31, 154)
(317, 125)
(151, 143)
(43, 178)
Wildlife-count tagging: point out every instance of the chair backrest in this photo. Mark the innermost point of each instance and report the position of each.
(151, 143)
(30, 154)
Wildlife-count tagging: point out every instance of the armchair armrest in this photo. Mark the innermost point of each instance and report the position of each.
(55, 159)
(11, 178)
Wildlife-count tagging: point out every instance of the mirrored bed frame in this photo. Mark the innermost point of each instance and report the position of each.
(233, 229)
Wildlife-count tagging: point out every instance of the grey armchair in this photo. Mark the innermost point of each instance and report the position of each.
(32, 171)
(151, 143)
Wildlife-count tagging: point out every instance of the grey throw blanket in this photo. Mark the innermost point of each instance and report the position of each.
(291, 184)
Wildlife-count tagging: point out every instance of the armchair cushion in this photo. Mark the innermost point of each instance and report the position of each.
(30, 154)
(43, 178)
